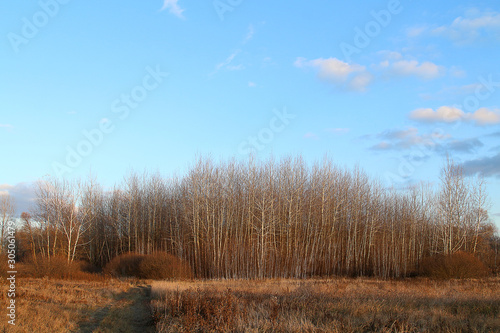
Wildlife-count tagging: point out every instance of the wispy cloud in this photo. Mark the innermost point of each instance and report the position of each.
(486, 166)
(413, 32)
(227, 63)
(453, 92)
(450, 114)
(468, 146)
(406, 139)
(473, 26)
(457, 72)
(250, 33)
(311, 136)
(173, 7)
(252, 84)
(436, 142)
(337, 72)
(7, 126)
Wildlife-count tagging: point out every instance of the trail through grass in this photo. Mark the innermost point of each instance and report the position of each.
(130, 313)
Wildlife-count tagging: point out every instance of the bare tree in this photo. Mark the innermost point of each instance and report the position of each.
(7, 210)
(266, 219)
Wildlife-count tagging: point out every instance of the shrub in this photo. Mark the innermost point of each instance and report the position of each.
(154, 266)
(125, 265)
(459, 265)
(56, 267)
(164, 266)
(4, 267)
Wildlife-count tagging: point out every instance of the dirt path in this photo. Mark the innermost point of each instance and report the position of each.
(129, 314)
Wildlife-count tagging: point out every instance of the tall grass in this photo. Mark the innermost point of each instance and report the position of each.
(339, 305)
(58, 306)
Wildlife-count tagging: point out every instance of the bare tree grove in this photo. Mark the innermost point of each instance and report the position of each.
(270, 219)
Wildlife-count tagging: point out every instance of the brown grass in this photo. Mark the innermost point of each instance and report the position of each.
(54, 306)
(335, 305)
(339, 305)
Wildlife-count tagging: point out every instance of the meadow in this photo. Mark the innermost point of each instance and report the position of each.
(337, 305)
(313, 305)
(56, 306)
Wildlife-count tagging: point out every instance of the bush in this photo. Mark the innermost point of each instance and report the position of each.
(459, 265)
(125, 265)
(154, 266)
(164, 266)
(56, 267)
(4, 267)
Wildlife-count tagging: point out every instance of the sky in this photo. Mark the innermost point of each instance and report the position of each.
(104, 88)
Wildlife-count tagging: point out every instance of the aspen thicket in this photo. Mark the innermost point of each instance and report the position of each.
(270, 219)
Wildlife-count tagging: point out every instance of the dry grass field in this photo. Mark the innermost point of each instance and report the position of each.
(55, 306)
(339, 305)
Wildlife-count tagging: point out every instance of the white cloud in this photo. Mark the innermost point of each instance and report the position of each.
(361, 81)
(342, 74)
(22, 193)
(394, 64)
(252, 84)
(485, 116)
(7, 126)
(473, 26)
(5, 188)
(446, 114)
(173, 7)
(449, 114)
(426, 70)
(357, 77)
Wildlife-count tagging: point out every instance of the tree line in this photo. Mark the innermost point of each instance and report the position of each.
(264, 219)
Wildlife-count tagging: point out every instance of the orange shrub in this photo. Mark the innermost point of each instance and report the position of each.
(56, 267)
(155, 266)
(164, 266)
(459, 265)
(125, 265)
(4, 267)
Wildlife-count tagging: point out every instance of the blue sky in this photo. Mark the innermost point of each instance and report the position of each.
(392, 86)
